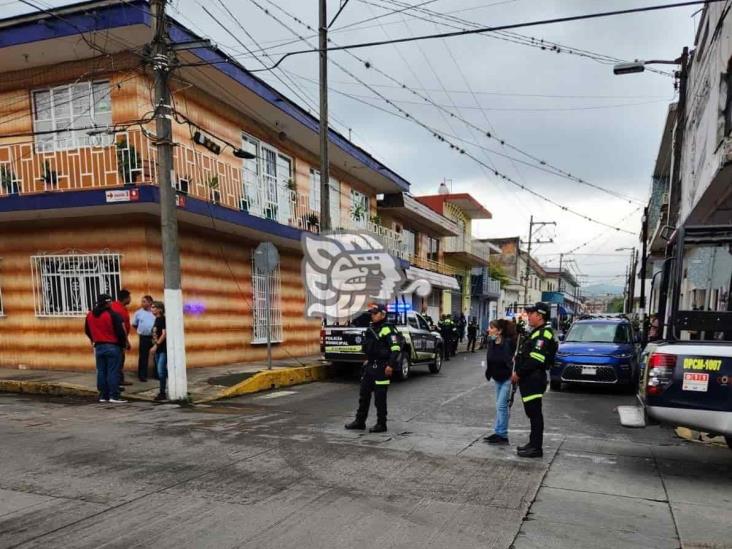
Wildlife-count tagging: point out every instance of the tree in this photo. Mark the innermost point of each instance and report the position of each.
(615, 305)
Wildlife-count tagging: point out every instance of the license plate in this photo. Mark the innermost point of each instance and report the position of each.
(696, 382)
(589, 370)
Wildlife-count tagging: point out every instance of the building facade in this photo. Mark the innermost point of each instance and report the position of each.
(79, 196)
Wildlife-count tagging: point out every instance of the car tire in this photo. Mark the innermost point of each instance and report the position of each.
(436, 364)
(728, 439)
(555, 385)
(403, 368)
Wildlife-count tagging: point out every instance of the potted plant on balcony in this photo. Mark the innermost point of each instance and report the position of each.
(313, 221)
(213, 185)
(49, 177)
(358, 212)
(375, 219)
(128, 163)
(291, 185)
(8, 181)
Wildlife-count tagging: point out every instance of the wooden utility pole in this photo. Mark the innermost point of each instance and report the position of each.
(527, 274)
(325, 220)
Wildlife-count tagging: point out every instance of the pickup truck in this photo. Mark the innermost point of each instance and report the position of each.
(686, 374)
(422, 345)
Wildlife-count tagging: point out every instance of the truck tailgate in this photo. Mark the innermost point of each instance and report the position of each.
(344, 344)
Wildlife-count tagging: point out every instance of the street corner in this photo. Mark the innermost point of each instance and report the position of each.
(48, 388)
(266, 380)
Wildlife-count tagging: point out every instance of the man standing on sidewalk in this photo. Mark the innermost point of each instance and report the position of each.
(120, 307)
(143, 321)
(535, 357)
(106, 331)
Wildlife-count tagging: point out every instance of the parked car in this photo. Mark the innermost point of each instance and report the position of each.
(422, 343)
(598, 351)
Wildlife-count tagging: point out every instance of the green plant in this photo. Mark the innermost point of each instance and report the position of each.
(49, 177)
(213, 182)
(291, 185)
(313, 219)
(7, 180)
(358, 212)
(128, 162)
(375, 219)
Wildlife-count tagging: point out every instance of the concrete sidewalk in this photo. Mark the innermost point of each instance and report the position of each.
(204, 384)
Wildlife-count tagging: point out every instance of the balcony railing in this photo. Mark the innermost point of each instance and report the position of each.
(430, 265)
(130, 158)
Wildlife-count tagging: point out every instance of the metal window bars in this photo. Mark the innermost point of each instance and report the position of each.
(68, 285)
(260, 282)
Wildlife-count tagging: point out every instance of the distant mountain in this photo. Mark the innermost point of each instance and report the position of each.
(601, 289)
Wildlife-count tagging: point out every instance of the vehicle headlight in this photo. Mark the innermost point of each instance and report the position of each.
(623, 355)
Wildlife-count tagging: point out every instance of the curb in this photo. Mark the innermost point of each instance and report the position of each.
(273, 379)
(53, 389)
(44, 388)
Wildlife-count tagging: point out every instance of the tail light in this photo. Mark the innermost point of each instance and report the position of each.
(660, 373)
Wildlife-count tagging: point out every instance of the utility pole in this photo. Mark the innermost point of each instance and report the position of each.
(644, 251)
(625, 291)
(559, 285)
(325, 220)
(675, 195)
(173, 297)
(527, 275)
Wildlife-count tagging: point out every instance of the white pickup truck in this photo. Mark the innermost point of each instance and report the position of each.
(686, 377)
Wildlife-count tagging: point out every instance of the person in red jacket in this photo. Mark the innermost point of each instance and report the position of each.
(105, 329)
(120, 307)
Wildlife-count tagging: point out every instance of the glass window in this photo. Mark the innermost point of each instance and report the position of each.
(315, 190)
(68, 285)
(70, 112)
(359, 209)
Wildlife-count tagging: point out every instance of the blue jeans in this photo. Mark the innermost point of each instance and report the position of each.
(503, 391)
(161, 364)
(109, 359)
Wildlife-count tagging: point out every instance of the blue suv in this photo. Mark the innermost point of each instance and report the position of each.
(597, 351)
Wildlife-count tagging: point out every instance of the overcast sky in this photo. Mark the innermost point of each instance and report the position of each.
(568, 110)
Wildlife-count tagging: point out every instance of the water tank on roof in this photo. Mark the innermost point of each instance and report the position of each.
(443, 189)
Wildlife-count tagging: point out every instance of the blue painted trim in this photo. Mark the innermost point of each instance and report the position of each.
(112, 16)
(137, 12)
(148, 194)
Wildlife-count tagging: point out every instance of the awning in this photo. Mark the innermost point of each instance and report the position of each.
(436, 279)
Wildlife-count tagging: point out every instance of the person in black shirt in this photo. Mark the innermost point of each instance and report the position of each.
(472, 334)
(160, 348)
(499, 365)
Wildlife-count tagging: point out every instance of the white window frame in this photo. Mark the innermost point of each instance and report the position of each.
(266, 187)
(314, 202)
(66, 285)
(77, 116)
(260, 280)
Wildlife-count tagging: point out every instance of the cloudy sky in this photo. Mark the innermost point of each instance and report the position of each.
(566, 109)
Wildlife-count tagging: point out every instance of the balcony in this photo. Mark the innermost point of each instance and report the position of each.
(434, 266)
(129, 158)
(483, 285)
(467, 251)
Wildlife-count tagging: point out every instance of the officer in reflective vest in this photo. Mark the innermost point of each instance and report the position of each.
(382, 348)
(535, 357)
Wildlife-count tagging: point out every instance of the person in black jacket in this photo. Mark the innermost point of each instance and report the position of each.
(499, 365)
(382, 348)
(472, 334)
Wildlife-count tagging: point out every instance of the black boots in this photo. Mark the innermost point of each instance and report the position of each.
(529, 452)
(356, 425)
(378, 428)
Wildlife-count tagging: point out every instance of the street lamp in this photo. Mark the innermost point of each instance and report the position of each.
(632, 67)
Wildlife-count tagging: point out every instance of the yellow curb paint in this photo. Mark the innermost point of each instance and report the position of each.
(281, 377)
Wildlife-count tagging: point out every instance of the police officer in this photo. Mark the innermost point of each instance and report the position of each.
(446, 331)
(382, 349)
(535, 357)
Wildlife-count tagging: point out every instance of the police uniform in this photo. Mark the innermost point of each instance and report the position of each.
(447, 331)
(535, 357)
(381, 346)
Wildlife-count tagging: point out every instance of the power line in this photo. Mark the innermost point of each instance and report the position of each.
(453, 146)
(467, 32)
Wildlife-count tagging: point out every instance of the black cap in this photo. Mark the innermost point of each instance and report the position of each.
(541, 308)
(104, 298)
(377, 308)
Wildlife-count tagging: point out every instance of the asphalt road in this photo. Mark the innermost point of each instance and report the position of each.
(277, 470)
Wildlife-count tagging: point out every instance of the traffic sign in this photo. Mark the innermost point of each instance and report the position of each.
(266, 257)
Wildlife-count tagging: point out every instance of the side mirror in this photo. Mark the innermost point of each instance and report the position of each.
(561, 337)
